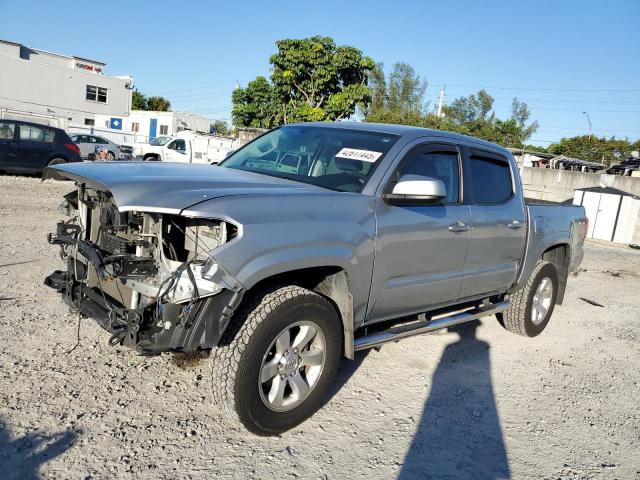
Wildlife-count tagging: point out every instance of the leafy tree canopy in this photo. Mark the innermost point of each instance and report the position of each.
(158, 104)
(585, 147)
(140, 102)
(401, 93)
(221, 127)
(399, 99)
(312, 79)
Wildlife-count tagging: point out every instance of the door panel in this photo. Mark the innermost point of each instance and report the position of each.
(420, 249)
(35, 145)
(153, 126)
(497, 224)
(419, 261)
(605, 220)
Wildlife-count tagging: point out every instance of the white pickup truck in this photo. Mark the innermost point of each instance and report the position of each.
(185, 147)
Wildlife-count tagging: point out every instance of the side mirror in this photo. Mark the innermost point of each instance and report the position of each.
(416, 190)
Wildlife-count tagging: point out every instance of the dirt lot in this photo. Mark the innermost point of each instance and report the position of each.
(477, 402)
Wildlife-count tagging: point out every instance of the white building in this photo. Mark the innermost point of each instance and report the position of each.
(73, 89)
(146, 125)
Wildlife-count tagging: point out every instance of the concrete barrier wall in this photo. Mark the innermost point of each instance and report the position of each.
(559, 185)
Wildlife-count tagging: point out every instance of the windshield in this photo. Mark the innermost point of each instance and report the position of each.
(159, 141)
(335, 158)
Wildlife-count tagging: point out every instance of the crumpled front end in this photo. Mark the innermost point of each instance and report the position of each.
(150, 279)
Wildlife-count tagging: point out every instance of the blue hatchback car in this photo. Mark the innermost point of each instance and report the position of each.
(27, 147)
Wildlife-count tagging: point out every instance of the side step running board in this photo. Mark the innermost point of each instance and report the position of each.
(417, 328)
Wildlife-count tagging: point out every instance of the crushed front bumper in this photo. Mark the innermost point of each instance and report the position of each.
(150, 330)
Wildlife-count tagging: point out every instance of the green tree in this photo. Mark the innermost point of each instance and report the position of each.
(312, 79)
(158, 104)
(221, 127)
(256, 105)
(398, 96)
(138, 101)
(476, 108)
(596, 149)
(520, 114)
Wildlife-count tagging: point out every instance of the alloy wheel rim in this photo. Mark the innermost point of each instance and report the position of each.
(541, 301)
(292, 366)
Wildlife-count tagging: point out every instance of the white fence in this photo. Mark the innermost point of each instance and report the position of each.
(115, 136)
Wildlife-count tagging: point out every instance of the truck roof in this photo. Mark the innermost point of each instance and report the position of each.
(401, 130)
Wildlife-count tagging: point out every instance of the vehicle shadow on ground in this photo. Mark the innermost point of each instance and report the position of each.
(459, 434)
(345, 371)
(21, 458)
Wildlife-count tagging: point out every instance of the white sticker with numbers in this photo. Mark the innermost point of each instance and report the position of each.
(362, 155)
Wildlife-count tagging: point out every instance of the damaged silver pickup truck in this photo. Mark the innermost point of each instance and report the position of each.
(312, 242)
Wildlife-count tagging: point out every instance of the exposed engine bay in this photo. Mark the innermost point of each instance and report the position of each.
(150, 279)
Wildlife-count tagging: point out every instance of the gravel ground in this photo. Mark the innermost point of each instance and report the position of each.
(474, 402)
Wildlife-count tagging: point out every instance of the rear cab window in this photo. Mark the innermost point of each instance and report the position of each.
(488, 178)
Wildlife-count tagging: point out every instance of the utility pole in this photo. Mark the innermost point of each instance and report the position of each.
(588, 120)
(441, 101)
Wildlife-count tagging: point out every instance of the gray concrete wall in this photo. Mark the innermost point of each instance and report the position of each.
(559, 185)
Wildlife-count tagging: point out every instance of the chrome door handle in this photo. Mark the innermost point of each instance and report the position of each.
(515, 224)
(458, 227)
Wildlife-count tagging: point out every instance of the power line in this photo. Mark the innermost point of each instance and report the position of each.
(541, 89)
(219, 93)
(204, 87)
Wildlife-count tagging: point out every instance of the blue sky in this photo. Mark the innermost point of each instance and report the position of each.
(561, 57)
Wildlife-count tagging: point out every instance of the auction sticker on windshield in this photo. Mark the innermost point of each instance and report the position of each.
(362, 155)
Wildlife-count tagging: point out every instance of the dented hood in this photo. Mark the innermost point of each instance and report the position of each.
(171, 187)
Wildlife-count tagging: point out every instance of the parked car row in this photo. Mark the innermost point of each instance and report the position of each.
(29, 147)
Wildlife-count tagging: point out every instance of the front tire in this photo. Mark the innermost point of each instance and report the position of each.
(532, 306)
(277, 360)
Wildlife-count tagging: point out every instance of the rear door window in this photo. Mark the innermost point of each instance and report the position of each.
(489, 178)
(7, 130)
(32, 133)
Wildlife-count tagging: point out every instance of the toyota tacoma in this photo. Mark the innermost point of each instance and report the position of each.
(308, 244)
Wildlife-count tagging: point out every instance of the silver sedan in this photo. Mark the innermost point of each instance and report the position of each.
(90, 146)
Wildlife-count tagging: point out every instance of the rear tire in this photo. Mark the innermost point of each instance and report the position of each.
(267, 383)
(532, 306)
(111, 157)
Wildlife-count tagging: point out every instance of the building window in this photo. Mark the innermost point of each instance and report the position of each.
(135, 127)
(90, 122)
(164, 129)
(96, 94)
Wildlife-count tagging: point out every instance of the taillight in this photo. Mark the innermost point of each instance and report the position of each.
(73, 147)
